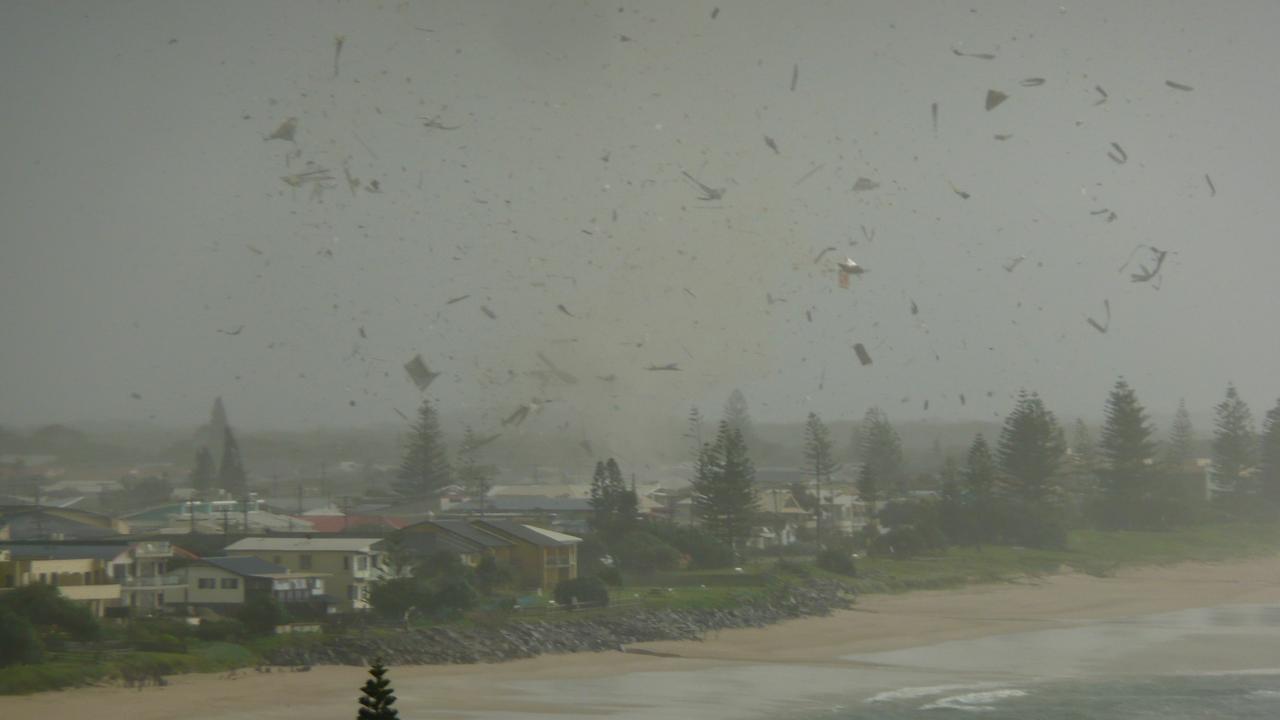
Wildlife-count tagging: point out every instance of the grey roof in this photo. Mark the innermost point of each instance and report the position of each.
(468, 531)
(537, 536)
(21, 551)
(246, 565)
(509, 503)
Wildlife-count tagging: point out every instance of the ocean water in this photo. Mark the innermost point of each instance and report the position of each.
(1242, 696)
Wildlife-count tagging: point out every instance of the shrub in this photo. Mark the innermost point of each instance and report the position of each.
(611, 576)
(791, 567)
(228, 630)
(490, 576)
(584, 590)
(641, 552)
(391, 599)
(900, 542)
(43, 606)
(705, 551)
(453, 595)
(261, 614)
(19, 642)
(837, 561)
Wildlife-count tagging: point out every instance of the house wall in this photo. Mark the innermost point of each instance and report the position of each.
(346, 579)
(193, 594)
(82, 580)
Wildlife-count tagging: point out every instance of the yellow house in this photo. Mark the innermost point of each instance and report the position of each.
(540, 557)
(349, 565)
(75, 571)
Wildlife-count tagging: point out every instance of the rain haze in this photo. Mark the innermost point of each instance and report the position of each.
(698, 359)
(147, 220)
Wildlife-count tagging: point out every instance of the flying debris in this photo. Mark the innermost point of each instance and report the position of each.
(419, 373)
(861, 352)
(586, 446)
(565, 310)
(1014, 263)
(285, 131)
(559, 374)
(1002, 138)
(669, 366)
(809, 174)
(915, 310)
(863, 184)
(315, 175)
(1213, 191)
(715, 12)
(1119, 156)
(1144, 273)
(485, 309)
(1032, 82)
(135, 396)
(402, 415)
(809, 314)
(256, 251)
(363, 336)
(338, 40)
(926, 404)
(867, 234)
(607, 378)
(1178, 86)
(458, 299)
(237, 331)
(795, 76)
(709, 193)
(772, 145)
(517, 417)
(963, 195)
(1101, 327)
(962, 398)
(994, 98)
(1110, 214)
(481, 442)
(849, 267)
(934, 108)
(978, 56)
(824, 252)
(1101, 92)
(433, 122)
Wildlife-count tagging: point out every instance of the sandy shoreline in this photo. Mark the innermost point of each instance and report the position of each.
(731, 674)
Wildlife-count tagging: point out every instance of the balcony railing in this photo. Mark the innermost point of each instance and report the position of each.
(153, 549)
(153, 581)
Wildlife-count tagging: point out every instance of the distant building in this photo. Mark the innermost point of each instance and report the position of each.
(224, 584)
(129, 577)
(540, 558)
(44, 522)
(350, 565)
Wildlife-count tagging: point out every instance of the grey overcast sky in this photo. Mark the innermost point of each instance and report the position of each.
(144, 217)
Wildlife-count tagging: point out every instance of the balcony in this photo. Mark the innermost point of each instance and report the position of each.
(90, 592)
(153, 549)
(155, 581)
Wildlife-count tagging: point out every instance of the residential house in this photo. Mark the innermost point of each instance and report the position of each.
(225, 583)
(44, 522)
(456, 536)
(80, 573)
(780, 519)
(541, 558)
(350, 564)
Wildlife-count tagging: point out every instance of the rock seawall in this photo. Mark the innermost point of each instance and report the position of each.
(529, 638)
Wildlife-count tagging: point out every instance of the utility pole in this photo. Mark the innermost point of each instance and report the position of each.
(191, 508)
(299, 497)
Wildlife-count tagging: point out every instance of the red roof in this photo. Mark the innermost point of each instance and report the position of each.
(339, 523)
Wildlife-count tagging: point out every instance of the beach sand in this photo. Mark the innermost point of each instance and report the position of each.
(783, 669)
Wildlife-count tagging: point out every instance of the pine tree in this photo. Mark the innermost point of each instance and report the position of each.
(625, 505)
(1269, 467)
(693, 433)
(1030, 450)
(881, 472)
(1180, 449)
(978, 482)
(819, 461)
(724, 493)
(1126, 449)
(378, 697)
(1083, 448)
(600, 500)
(425, 467)
(232, 477)
(738, 415)
(1233, 442)
(475, 476)
(204, 474)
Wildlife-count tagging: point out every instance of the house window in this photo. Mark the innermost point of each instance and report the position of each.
(304, 562)
(362, 562)
(88, 578)
(206, 583)
(230, 583)
(346, 562)
(44, 578)
(353, 592)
